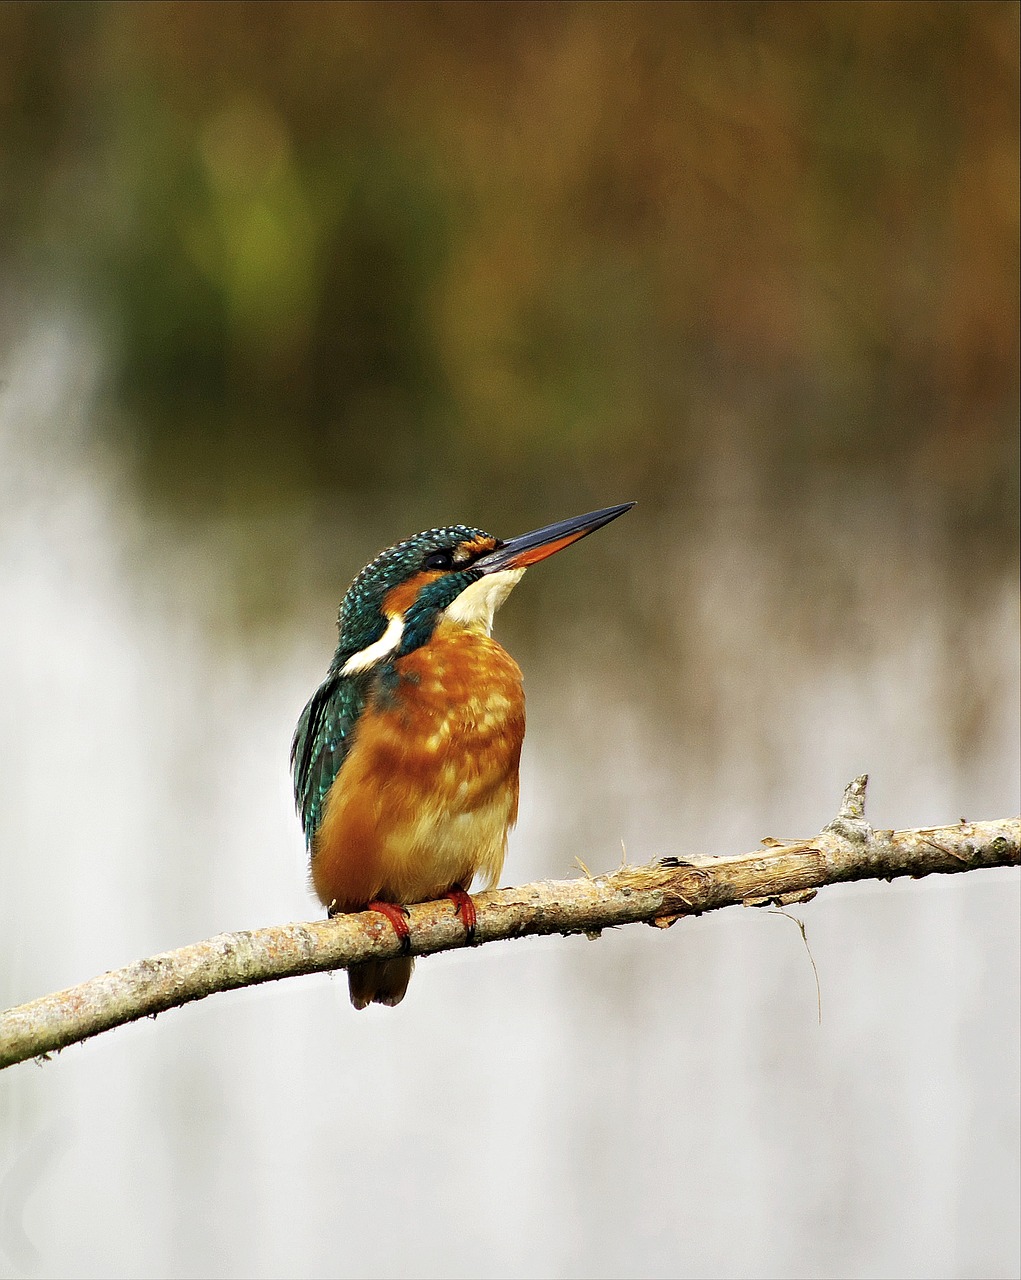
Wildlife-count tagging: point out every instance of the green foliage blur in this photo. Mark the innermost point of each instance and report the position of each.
(458, 251)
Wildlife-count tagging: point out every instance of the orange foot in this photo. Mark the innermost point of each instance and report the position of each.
(465, 909)
(398, 917)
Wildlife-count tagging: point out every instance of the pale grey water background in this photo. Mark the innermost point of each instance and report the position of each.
(655, 1104)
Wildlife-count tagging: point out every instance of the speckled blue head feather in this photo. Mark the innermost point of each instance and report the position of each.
(361, 621)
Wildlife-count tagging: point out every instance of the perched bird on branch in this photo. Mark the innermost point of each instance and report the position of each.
(405, 759)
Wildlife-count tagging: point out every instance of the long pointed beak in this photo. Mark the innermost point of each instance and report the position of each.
(530, 548)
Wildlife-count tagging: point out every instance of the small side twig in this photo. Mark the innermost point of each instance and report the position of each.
(804, 938)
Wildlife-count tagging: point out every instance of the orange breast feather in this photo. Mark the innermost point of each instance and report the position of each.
(429, 789)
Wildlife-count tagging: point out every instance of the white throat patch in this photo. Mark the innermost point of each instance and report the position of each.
(378, 650)
(475, 606)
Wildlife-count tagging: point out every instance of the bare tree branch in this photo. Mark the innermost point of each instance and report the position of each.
(779, 874)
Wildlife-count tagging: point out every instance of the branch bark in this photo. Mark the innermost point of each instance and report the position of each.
(659, 893)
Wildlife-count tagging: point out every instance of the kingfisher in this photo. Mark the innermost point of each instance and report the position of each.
(405, 759)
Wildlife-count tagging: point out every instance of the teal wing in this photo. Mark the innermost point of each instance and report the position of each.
(321, 743)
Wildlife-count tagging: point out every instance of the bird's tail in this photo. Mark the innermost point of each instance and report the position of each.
(379, 981)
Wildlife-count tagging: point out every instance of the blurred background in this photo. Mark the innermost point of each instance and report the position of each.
(283, 283)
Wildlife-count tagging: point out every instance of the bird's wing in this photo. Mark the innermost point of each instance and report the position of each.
(321, 742)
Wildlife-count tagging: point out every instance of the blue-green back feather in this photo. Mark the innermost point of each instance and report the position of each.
(321, 743)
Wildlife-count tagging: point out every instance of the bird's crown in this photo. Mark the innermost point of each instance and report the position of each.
(412, 581)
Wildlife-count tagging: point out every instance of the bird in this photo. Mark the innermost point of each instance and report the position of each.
(405, 759)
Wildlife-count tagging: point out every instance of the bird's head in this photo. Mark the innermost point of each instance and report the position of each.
(455, 574)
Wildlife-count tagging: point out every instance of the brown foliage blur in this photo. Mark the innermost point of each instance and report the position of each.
(340, 248)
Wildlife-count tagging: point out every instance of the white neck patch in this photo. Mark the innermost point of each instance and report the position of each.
(475, 606)
(378, 650)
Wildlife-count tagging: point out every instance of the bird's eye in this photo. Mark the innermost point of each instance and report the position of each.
(439, 560)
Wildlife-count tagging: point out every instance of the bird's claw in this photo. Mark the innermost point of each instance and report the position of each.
(465, 908)
(398, 917)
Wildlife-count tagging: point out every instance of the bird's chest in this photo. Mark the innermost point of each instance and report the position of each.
(430, 787)
(457, 685)
(453, 712)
